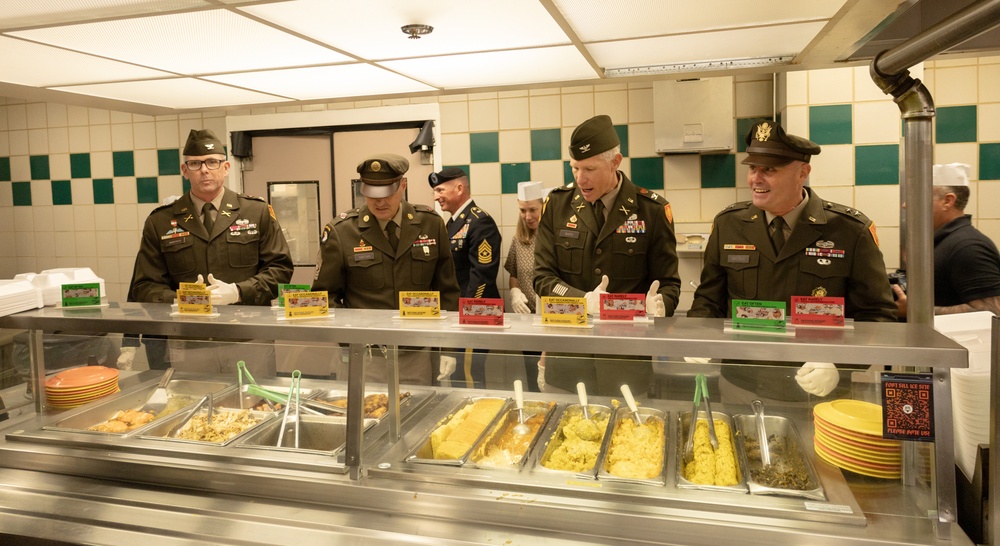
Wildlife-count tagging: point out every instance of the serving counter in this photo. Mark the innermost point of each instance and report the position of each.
(376, 483)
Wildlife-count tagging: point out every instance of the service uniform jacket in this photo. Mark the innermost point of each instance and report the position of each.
(832, 252)
(359, 269)
(475, 247)
(246, 247)
(636, 247)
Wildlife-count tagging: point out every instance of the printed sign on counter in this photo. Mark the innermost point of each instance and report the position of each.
(622, 306)
(564, 311)
(81, 295)
(765, 316)
(194, 302)
(283, 288)
(306, 304)
(480, 311)
(816, 311)
(908, 406)
(417, 304)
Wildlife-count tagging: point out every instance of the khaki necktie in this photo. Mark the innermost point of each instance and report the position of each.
(599, 214)
(207, 220)
(778, 235)
(390, 233)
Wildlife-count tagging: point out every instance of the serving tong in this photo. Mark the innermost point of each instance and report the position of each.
(762, 440)
(700, 395)
(293, 391)
(201, 403)
(241, 368)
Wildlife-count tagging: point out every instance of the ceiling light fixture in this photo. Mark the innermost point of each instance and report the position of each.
(701, 66)
(416, 31)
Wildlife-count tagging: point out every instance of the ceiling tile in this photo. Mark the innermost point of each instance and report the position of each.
(190, 43)
(174, 93)
(325, 82)
(16, 13)
(497, 68)
(458, 25)
(27, 63)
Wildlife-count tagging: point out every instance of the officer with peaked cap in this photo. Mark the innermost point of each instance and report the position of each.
(475, 247)
(231, 240)
(787, 241)
(604, 234)
(370, 254)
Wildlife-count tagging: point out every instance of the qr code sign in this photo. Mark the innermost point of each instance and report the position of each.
(907, 407)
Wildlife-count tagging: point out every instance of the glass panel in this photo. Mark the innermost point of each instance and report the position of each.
(296, 206)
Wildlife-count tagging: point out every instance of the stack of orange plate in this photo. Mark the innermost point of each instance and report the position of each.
(849, 435)
(77, 386)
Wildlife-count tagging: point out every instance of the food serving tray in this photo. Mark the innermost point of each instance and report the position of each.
(164, 429)
(334, 402)
(613, 462)
(316, 434)
(181, 394)
(424, 453)
(500, 448)
(787, 453)
(684, 421)
(555, 455)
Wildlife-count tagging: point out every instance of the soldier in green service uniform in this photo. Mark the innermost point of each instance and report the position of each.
(212, 234)
(369, 254)
(786, 242)
(604, 234)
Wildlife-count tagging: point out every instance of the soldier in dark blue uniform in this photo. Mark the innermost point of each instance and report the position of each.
(475, 246)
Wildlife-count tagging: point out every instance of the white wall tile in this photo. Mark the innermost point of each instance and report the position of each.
(545, 111)
(455, 149)
(24, 243)
(956, 86)
(121, 136)
(102, 165)
(879, 203)
(686, 204)
(58, 140)
(865, 88)
(97, 116)
(959, 152)
(796, 120)
(3, 117)
(577, 108)
(24, 219)
(876, 123)
(796, 88)
(612, 103)
(515, 146)
(714, 200)
(45, 217)
(45, 244)
(107, 244)
(989, 83)
(17, 117)
(6, 201)
(682, 172)
(126, 265)
(59, 167)
(76, 116)
(988, 114)
(167, 134)
(485, 178)
(989, 195)
(143, 136)
(641, 142)
(127, 243)
(548, 172)
(105, 217)
(65, 244)
(18, 143)
(888, 243)
(640, 105)
(79, 140)
(831, 86)
(120, 117)
(107, 269)
(38, 141)
(20, 167)
(35, 113)
(125, 190)
(146, 163)
(170, 185)
(754, 99)
(834, 166)
(142, 211)
(484, 115)
(83, 215)
(86, 243)
(4, 144)
(41, 195)
(513, 113)
(100, 138)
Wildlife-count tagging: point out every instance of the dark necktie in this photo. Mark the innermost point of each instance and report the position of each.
(390, 233)
(207, 220)
(778, 235)
(599, 214)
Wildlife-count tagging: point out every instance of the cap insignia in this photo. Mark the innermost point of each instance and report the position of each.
(209, 146)
(376, 166)
(585, 148)
(763, 132)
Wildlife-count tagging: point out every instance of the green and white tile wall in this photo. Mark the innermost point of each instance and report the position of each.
(77, 183)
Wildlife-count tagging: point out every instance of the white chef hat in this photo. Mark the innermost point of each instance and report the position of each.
(952, 174)
(530, 191)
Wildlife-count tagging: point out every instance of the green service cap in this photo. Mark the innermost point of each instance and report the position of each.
(381, 173)
(594, 136)
(769, 146)
(203, 142)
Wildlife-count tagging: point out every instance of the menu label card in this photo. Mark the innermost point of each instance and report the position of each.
(194, 302)
(416, 304)
(78, 295)
(816, 311)
(622, 306)
(283, 288)
(908, 406)
(766, 316)
(564, 311)
(480, 311)
(307, 304)
(192, 286)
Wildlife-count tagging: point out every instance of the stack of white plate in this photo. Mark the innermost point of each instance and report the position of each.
(970, 388)
(17, 296)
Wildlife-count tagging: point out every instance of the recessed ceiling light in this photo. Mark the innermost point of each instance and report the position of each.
(416, 31)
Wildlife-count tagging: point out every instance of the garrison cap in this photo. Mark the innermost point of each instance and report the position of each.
(381, 173)
(203, 142)
(446, 174)
(769, 146)
(594, 136)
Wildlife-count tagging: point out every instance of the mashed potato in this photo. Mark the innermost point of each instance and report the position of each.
(711, 467)
(579, 442)
(636, 450)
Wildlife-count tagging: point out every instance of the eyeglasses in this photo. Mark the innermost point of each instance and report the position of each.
(212, 164)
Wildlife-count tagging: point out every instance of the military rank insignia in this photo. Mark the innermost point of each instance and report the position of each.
(485, 252)
(271, 211)
(871, 228)
(669, 212)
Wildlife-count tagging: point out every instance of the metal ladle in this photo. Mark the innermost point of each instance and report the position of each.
(520, 428)
(765, 450)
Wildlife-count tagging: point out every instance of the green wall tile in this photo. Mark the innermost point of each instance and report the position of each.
(743, 126)
(168, 161)
(484, 147)
(513, 173)
(546, 144)
(185, 185)
(830, 124)
(718, 171)
(989, 161)
(876, 165)
(124, 163)
(622, 131)
(567, 173)
(955, 124)
(647, 172)
(147, 190)
(39, 167)
(104, 191)
(62, 192)
(22, 193)
(4, 169)
(79, 165)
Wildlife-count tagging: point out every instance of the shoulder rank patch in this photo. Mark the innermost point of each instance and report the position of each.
(669, 212)
(326, 234)
(485, 252)
(270, 211)
(871, 228)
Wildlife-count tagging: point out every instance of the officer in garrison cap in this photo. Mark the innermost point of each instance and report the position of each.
(475, 247)
(215, 235)
(787, 241)
(369, 254)
(603, 233)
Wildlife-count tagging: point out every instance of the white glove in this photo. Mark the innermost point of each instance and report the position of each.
(519, 302)
(223, 293)
(447, 367)
(697, 360)
(654, 301)
(541, 377)
(819, 378)
(594, 297)
(200, 279)
(126, 358)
